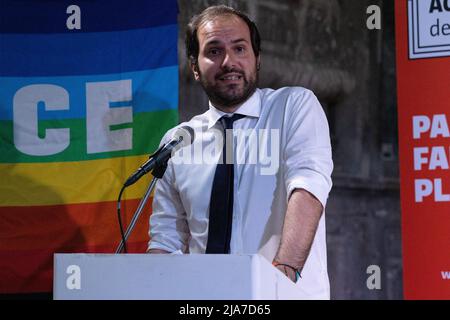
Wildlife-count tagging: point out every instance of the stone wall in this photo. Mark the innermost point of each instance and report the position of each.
(324, 45)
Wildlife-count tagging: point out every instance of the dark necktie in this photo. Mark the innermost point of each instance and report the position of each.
(221, 204)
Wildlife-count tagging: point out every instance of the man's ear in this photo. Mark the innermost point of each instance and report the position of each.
(195, 71)
(258, 62)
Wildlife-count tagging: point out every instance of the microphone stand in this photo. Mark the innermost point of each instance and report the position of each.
(157, 173)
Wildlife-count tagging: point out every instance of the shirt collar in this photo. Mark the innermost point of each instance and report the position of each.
(250, 108)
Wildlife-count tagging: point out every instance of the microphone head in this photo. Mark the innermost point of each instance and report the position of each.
(185, 135)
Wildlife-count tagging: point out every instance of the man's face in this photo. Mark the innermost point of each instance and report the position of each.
(227, 66)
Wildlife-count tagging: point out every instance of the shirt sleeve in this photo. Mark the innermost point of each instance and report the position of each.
(307, 155)
(168, 225)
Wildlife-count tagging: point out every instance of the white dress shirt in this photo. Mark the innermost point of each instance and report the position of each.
(293, 151)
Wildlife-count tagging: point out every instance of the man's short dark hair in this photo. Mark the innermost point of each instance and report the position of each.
(192, 44)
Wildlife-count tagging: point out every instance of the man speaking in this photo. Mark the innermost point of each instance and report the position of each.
(263, 194)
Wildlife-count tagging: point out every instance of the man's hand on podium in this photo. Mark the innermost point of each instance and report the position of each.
(157, 251)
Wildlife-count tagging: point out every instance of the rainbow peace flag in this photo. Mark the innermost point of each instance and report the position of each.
(86, 93)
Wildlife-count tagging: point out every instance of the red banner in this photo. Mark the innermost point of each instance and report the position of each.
(423, 88)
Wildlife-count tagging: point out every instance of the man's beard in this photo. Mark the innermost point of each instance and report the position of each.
(229, 97)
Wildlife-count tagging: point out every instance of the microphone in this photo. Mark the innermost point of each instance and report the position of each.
(182, 137)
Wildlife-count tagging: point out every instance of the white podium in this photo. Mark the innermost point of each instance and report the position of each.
(169, 277)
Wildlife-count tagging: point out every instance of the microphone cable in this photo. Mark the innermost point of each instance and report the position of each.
(120, 220)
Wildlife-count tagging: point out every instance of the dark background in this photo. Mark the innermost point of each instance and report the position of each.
(325, 45)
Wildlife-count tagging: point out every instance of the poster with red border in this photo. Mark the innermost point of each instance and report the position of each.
(423, 88)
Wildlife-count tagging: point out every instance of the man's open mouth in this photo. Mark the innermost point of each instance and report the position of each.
(231, 77)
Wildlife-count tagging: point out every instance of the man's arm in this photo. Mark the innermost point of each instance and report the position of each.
(307, 174)
(302, 218)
